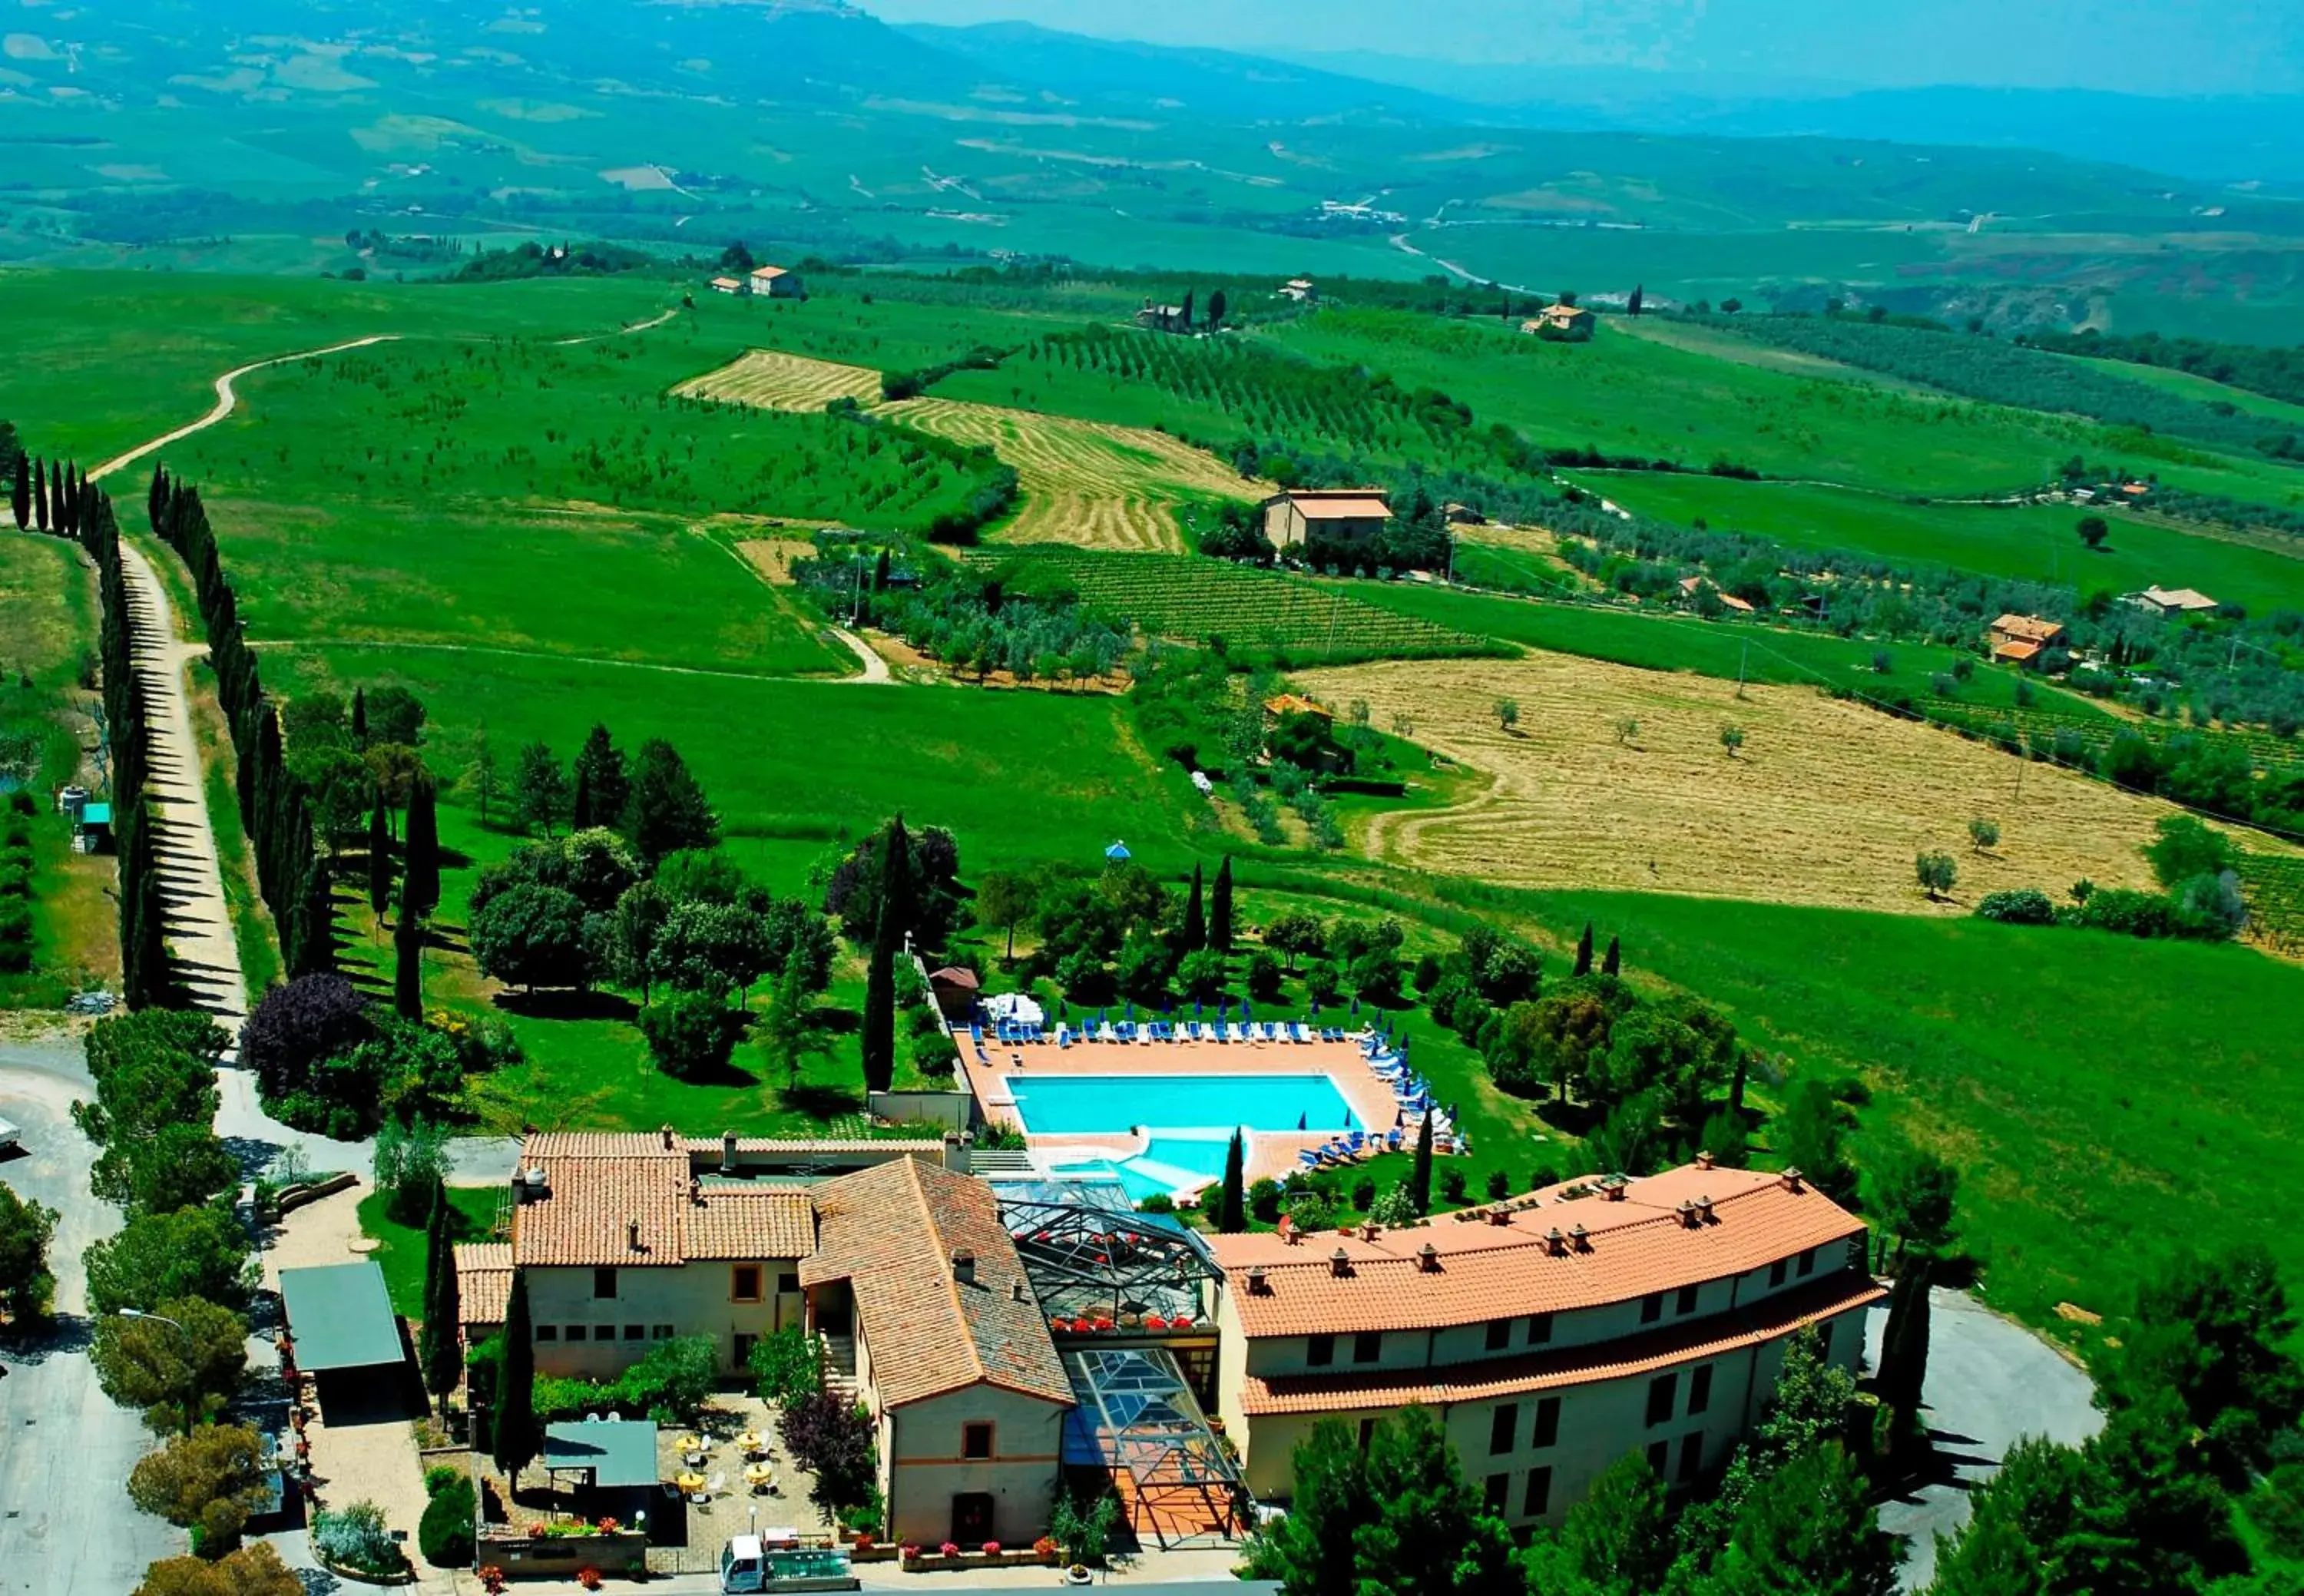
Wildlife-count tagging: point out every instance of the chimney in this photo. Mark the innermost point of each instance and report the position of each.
(1581, 1239)
(1016, 1291)
(727, 1152)
(695, 1192)
(666, 1135)
(963, 1267)
(1793, 1180)
(1500, 1215)
(1704, 1209)
(1340, 1264)
(1428, 1259)
(1257, 1284)
(1367, 1231)
(1687, 1211)
(1613, 1188)
(1704, 1160)
(632, 1235)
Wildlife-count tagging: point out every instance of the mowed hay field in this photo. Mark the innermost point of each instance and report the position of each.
(1827, 803)
(1085, 483)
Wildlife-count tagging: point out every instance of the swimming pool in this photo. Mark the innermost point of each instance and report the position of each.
(1168, 1164)
(1073, 1105)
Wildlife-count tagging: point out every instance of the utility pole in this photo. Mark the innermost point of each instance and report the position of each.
(1741, 665)
(856, 601)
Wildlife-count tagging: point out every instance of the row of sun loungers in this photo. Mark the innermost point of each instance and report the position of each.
(1009, 1034)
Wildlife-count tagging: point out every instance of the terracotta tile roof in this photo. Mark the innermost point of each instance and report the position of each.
(2016, 651)
(483, 1281)
(2179, 599)
(768, 271)
(1633, 1246)
(1624, 1359)
(1362, 508)
(751, 1222)
(2030, 628)
(890, 1233)
(893, 1146)
(956, 975)
(599, 1184)
(1295, 703)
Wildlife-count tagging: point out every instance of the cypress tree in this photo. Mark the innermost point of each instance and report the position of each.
(879, 1034)
(603, 788)
(315, 917)
(156, 499)
(40, 497)
(437, 1348)
(360, 718)
(1195, 929)
(423, 845)
(513, 1424)
(379, 860)
(408, 959)
(1614, 960)
(1904, 1344)
(1419, 1174)
(579, 807)
(19, 498)
(1584, 951)
(880, 572)
(1232, 1212)
(1220, 908)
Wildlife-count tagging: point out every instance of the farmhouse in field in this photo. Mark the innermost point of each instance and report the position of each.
(1295, 703)
(1463, 515)
(1549, 1335)
(1692, 587)
(1163, 318)
(1300, 290)
(728, 286)
(1330, 514)
(1560, 324)
(2171, 601)
(777, 282)
(2020, 639)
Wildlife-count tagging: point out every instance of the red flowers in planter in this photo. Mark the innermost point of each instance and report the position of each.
(949, 1548)
(992, 1549)
(1044, 1547)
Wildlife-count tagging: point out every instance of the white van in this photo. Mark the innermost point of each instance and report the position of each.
(773, 1560)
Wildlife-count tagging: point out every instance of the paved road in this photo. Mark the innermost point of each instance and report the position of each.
(1990, 1384)
(66, 1526)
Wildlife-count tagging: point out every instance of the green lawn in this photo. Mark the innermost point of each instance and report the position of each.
(2108, 1101)
(2031, 543)
(399, 1248)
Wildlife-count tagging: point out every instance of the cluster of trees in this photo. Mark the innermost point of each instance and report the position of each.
(274, 806)
(1016, 616)
(829, 1437)
(651, 801)
(16, 882)
(328, 1059)
(2027, 379)
(1416, 538)
(1791, 1514)
(2274, 371)
(533, 259)
(2199, 897)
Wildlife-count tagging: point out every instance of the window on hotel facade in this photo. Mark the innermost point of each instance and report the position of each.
(1807, 1263)
(1662, 1390)
(744, 1345)
(1652, 1308)
(1686, 1302)
(1824, 1338)
(788, 1285)
(1660, 1458)
(1368, 1434)
(1367, 1346)
(547, 1332)
(976, 1441)
(1504, 1429)
(576, 1332)
(662, 1332)
(1499, 1334)
(1691, 1457)
(1777, 1273)
(744, 1283)
(1538, 1499)
(636, 1332)
(1540, 1328)
(1699, 1390)
(1547, 1422)
(1499, 1491)
(603, 1283)
(1319, 1351)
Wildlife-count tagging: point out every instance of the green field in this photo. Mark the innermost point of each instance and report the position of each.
(1189, 599)
(1727, 650)
(399, 1248)
(2086, 1086)
(2030, 543)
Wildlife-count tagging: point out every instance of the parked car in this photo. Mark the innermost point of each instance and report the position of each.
(10, 1135)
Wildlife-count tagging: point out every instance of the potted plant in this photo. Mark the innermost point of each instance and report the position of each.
(992, 1549)
(589, 1577)
(1077, 1575)
(908, 1554)
(1045, 1548)
(949, 1548)
(492, 1580)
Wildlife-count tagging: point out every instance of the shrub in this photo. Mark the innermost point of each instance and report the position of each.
(1364, 1192)
(690, 1034)
(788, 1365)
(670, 1384)
(1264, 1200)
(215, 1463)
(2127, 911)
(356, 1538)
(1452, 1187)
(445, 1534)
(935, 1054)
(295, 1028)
(2024, 905)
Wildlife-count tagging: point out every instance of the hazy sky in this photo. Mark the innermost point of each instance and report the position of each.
(2190, 46)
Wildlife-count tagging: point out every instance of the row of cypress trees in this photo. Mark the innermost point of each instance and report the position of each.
(57, 498)
(274, 806)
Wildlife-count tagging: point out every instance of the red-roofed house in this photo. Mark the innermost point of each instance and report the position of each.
(1331, 515)
(2020, 639)
(1549, 1335)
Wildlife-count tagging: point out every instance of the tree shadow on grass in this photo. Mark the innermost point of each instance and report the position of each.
(819, 1102)
(1572, 1118)
(839, 1022)
(568, 1003)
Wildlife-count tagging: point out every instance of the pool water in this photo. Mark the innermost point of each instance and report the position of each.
(1072, 1105)
(1167, 1164)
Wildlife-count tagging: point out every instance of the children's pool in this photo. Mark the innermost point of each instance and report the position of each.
(1073, 1105)
(1167, 1164)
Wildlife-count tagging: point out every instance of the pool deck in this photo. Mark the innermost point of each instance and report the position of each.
(1270, 1153)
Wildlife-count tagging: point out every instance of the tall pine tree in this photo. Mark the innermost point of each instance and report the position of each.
(1584, 951)
(19, 496)
(1614, 960)
(423, 846)
(1194, 932)
(360, 718)
(1220, 928)
(379, 860)
(438, 1348)
(879, 1036)
(1232, 1211)
(513, 1425)
(604, 784)
(1420, 1173)
(408, 959)
(41, 496)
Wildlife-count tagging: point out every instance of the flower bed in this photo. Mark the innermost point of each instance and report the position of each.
(931, 1559)
(563, 1550)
